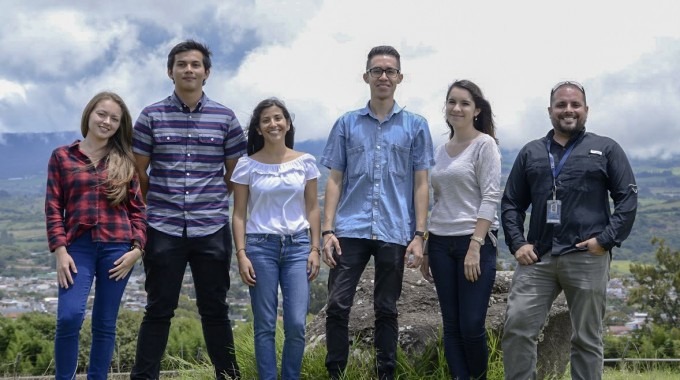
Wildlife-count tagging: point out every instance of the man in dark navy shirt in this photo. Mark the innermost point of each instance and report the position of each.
(566, 177)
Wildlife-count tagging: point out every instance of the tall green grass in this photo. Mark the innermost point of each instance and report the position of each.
(430, 365)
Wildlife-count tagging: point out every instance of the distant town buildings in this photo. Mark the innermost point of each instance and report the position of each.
(39, 294)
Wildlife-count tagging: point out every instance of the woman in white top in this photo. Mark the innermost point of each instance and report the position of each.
(276, 227)
(461, 257)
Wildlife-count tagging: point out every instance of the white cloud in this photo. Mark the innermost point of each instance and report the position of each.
(57, 43)
(312, 53)
(514, 51)
(12, 91)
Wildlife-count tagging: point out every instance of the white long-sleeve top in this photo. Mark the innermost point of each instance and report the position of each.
(466, 187)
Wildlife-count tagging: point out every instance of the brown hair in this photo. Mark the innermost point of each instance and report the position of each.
(484, 121)
(120, 162)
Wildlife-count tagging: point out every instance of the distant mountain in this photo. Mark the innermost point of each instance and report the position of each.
(26, 154)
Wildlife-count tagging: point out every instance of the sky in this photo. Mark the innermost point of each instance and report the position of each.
(312, 54)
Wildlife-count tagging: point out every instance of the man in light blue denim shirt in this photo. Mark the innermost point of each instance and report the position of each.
(376, 206)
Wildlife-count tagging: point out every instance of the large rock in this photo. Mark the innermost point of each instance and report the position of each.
(420, 321)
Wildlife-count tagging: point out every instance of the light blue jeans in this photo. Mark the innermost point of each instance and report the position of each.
(583, 278)
(93, 261)
(279, 260)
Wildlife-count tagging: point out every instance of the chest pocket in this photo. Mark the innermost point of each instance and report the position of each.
(582, 172)
(211, 139)
(400, 160)
(539, 176)
(166, 138)
(357, 162)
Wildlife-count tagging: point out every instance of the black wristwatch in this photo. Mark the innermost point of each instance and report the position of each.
(327, 232)
(422, 234)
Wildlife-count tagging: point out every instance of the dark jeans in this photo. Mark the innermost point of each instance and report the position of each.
(342, 283)
(463, 303)
(164, 263)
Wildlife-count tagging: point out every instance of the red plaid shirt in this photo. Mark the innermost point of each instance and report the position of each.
(76, 202)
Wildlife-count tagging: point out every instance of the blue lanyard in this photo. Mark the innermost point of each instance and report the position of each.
(556, 170)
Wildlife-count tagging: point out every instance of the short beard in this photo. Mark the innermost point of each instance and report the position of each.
(569, 132)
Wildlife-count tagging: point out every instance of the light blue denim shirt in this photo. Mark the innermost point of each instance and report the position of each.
(378, 161)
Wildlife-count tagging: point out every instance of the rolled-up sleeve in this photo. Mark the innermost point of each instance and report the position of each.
(334, 156)
(422, 147)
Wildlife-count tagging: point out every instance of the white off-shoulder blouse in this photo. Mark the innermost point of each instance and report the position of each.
(276, 204)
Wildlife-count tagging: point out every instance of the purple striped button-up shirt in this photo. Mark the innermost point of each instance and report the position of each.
(188, 151)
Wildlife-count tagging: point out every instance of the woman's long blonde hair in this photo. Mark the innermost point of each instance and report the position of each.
(120, 162)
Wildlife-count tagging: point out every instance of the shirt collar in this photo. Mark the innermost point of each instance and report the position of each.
(177, 102)
(366, 111)
(74, 145)
(74, 149)
(572, 140)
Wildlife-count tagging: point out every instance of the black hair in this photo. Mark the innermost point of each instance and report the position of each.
(187, 46)
(255, 140)
(383, 50)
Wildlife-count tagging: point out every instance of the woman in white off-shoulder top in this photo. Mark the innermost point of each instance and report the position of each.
(276, 226)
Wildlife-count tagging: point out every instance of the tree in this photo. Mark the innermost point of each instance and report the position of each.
(656, 288)
(27, 344)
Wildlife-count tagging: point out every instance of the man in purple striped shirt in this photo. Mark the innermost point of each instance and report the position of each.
(191, 144)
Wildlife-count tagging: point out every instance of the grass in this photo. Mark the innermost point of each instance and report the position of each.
(431, 365)
(620, 266)
(612, 374)
(660, 205)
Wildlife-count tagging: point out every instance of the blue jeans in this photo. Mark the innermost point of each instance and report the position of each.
(583, 277)
(165, 262)
(463, 303)
(279, 259)
(93, 261)
(342, 285)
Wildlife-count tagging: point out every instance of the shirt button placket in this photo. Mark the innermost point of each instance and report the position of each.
(377, 175)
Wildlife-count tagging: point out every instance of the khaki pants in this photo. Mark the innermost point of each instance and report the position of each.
(583, 278)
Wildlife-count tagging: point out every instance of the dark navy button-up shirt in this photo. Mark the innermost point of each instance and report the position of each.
(596, 169)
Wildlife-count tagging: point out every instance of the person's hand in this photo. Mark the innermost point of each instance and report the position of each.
(65, 265)
(525, 255)
(124, 264)
(425, 269)
(592, 246)
(414, 252)
(245, 269)
(330, 245)
(313, 263)
(471, 262)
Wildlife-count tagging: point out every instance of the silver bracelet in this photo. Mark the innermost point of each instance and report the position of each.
(477, 239)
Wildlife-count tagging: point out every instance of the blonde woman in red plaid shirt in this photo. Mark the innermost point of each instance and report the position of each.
(96, 227)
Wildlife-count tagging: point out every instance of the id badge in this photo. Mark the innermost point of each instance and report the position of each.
(554, 211)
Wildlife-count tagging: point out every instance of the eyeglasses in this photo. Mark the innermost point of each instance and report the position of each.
(377, 72)
(578, 85)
